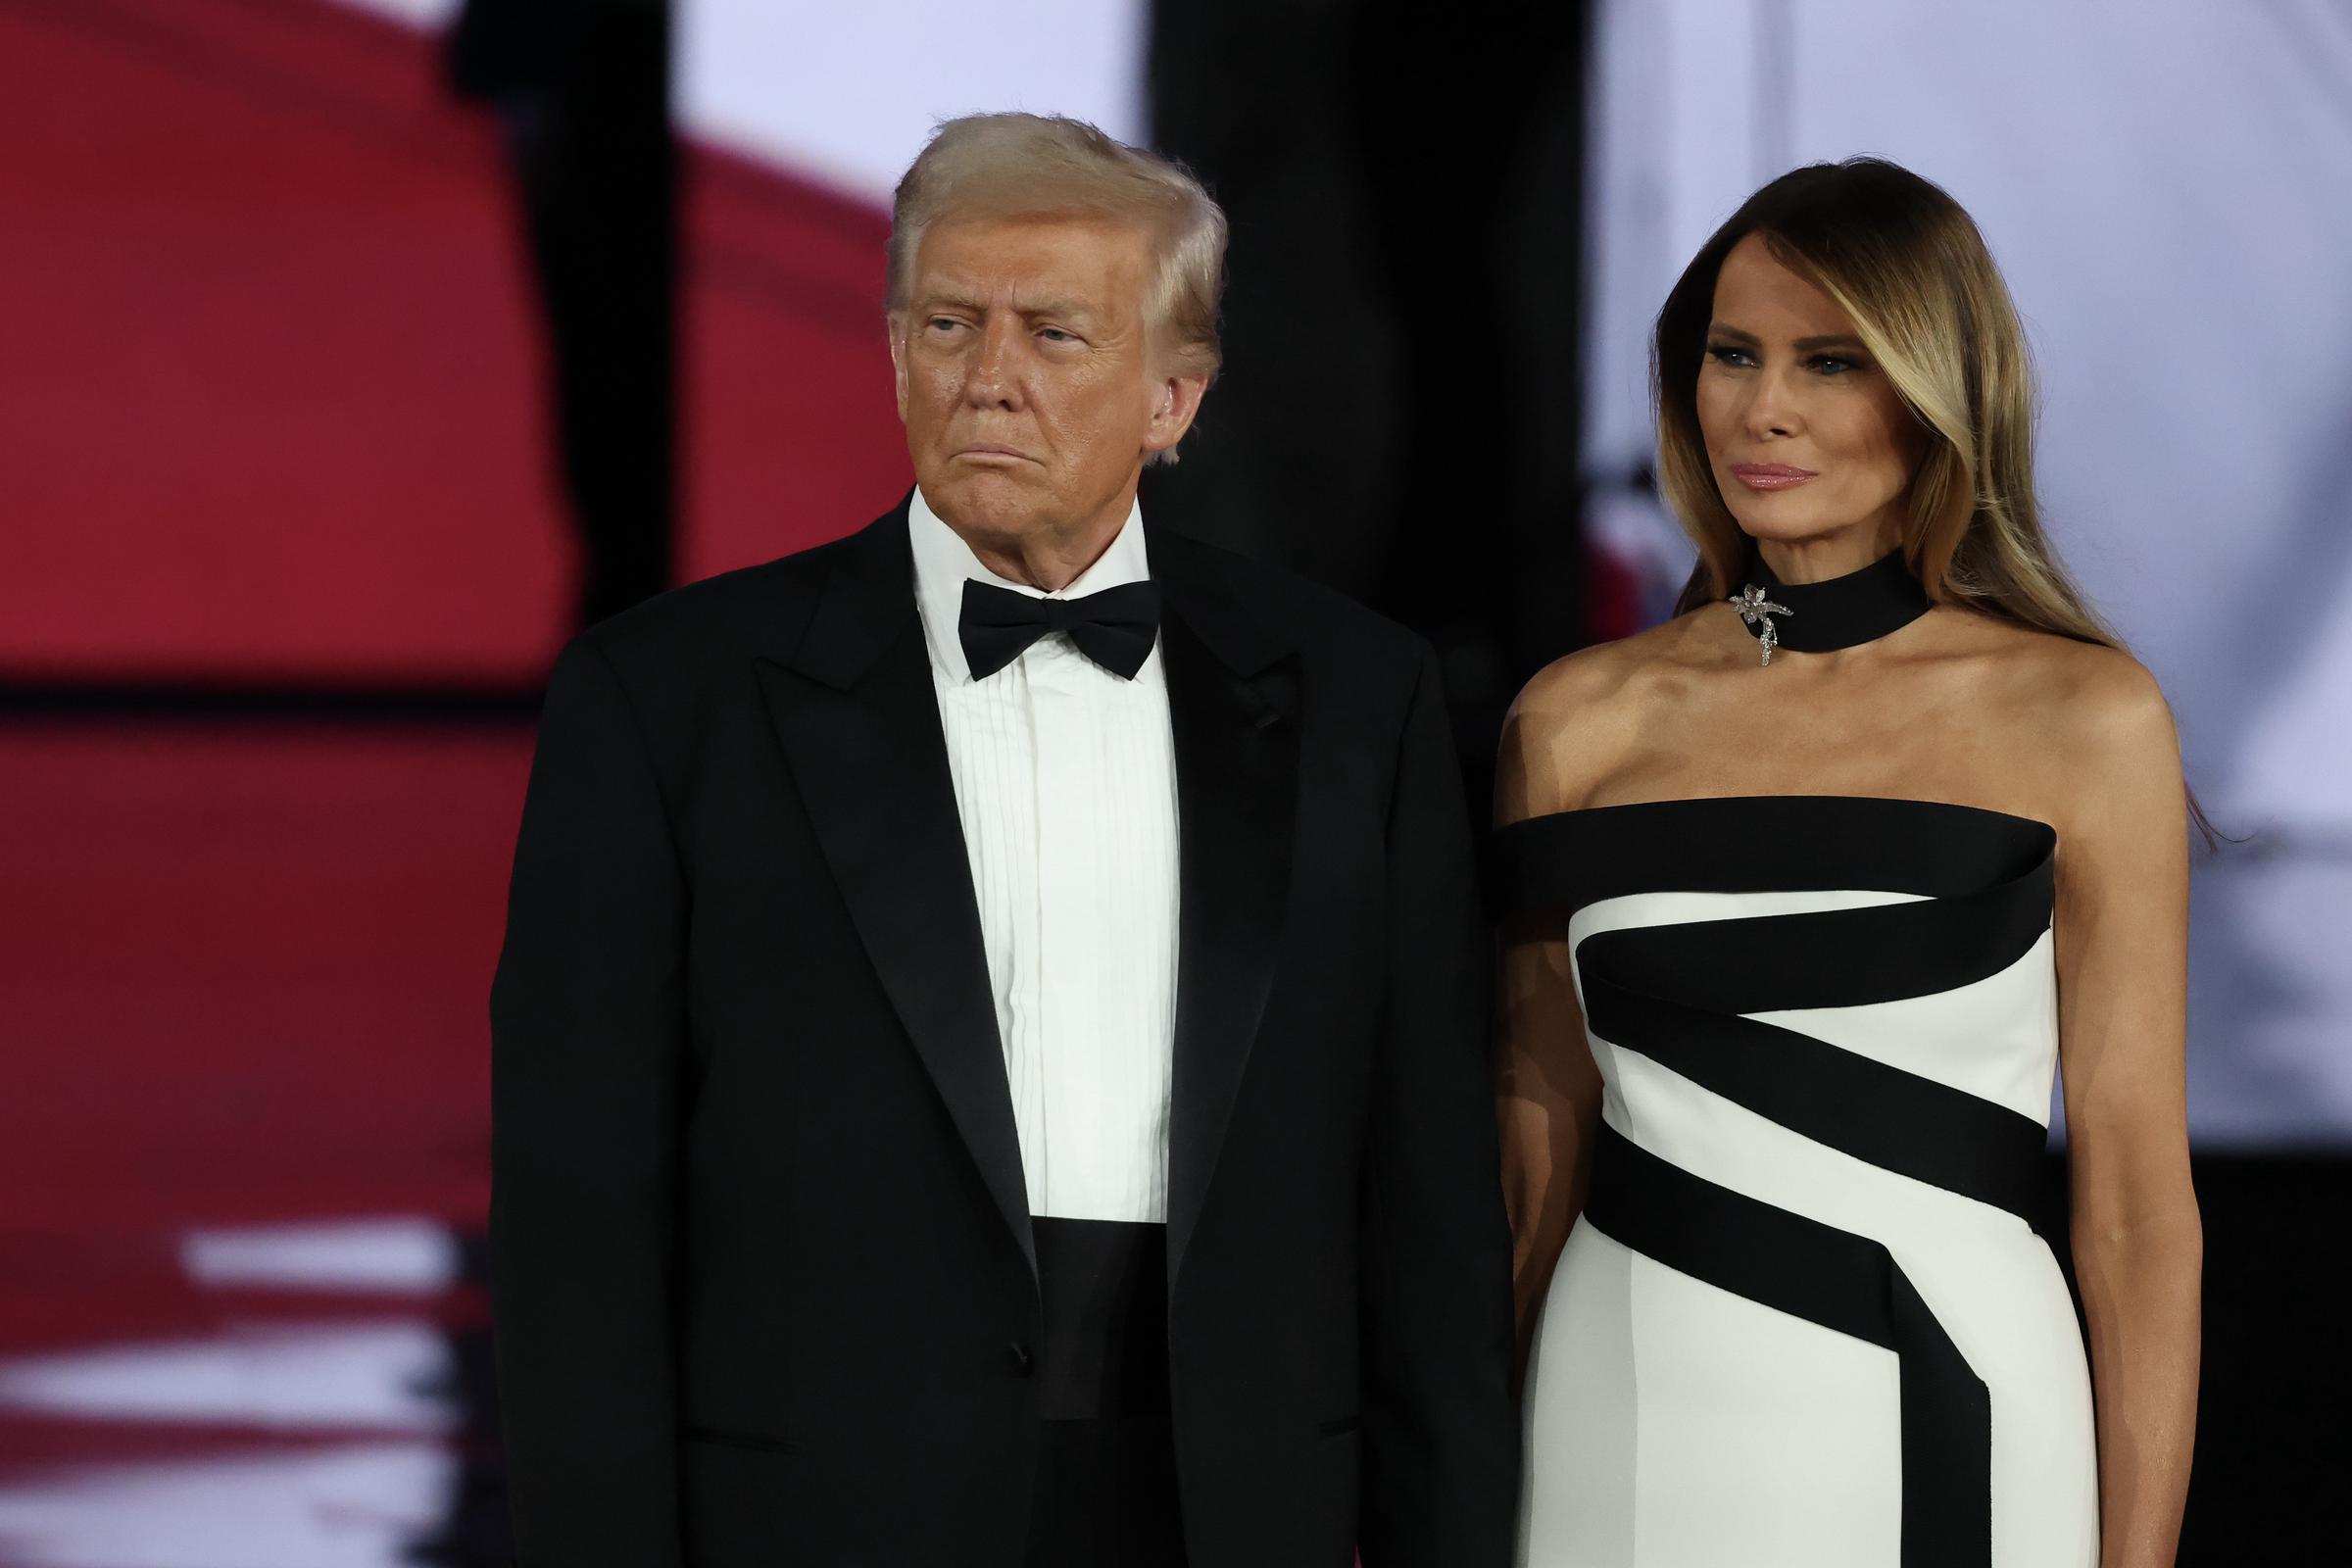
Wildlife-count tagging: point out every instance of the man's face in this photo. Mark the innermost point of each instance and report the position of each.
(1025, 373)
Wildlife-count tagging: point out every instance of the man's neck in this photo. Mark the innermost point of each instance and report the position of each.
(1046, 557)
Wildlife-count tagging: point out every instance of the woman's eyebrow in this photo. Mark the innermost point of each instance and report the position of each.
(1803, 344)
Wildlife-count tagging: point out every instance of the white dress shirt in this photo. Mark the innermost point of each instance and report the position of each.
(1066, 779)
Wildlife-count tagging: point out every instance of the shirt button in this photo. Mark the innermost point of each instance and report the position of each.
(1021, 1359)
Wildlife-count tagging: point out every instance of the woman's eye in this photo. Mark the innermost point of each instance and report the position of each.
(1832, 365)
(1728, 353)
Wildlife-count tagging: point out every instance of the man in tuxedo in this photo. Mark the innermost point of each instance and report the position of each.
(990, 1064)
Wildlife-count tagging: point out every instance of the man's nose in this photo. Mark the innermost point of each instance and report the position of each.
(993, 378)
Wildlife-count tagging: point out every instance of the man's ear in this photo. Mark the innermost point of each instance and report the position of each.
(1176, 402)
(898, 360)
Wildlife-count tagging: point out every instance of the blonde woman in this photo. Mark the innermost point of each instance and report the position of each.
(1812, 890)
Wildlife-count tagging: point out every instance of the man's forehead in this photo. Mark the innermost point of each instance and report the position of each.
(1036, 297)
(1027, 255)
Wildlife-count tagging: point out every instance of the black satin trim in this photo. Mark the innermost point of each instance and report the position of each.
(1841, 1281)
(1858, 607)
(1855, 1104)
(1831, 957)
(1763, 844)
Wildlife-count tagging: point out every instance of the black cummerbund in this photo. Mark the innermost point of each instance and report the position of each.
(1104, 1284)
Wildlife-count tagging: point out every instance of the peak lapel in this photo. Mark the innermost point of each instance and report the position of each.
(858, 718)
(1233, 704)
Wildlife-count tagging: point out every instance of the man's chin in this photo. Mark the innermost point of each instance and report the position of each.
(991, 500)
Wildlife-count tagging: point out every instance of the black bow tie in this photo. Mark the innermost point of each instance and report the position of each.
(1114, 628)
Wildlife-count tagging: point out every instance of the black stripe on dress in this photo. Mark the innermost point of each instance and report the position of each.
(1763, 843)
(1895, 1120)
(1841, 1281)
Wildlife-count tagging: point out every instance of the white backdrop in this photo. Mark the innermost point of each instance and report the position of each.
(846, 92)
(2168, 187)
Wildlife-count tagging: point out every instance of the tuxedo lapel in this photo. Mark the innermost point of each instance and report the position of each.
(1233, 704)
(857, 718)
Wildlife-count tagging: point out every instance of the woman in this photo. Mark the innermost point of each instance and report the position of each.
(1811, 889)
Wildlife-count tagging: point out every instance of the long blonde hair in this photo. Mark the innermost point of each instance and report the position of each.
(1907, 264)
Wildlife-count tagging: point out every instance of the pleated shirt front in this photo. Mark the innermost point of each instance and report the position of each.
(1065, 781)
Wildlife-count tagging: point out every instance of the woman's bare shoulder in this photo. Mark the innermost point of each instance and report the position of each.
(2089, 733)
(2108, 712)
(1575, 718)
(1581, 686)
(2084, 694)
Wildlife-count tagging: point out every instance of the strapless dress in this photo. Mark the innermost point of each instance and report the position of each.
(1805, 1319)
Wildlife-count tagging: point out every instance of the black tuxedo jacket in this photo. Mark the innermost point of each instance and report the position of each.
(762, 1265)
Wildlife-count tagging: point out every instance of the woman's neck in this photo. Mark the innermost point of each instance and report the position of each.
(1830, 555)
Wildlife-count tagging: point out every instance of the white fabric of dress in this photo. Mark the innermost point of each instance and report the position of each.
(1805, 1320)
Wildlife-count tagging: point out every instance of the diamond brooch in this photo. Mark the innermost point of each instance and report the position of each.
(1757, 612)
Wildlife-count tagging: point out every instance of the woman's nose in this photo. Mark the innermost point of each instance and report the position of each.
(1773, 410)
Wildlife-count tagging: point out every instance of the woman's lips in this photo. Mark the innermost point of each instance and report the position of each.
(1769, 475)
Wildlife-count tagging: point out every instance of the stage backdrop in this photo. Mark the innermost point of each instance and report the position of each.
(2169, 189)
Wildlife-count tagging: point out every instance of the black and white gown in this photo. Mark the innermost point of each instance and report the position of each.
(1805, 1320)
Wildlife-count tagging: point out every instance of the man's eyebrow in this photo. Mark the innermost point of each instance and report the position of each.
(935, 298)
(952, 297)
(1067, 309)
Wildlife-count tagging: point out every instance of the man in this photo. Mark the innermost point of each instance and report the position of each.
(990, 1065)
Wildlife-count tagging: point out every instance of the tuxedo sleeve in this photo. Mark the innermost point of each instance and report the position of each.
(1439, 1430)
(587, 1026)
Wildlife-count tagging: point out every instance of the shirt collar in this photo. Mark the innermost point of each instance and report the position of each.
(944, 562)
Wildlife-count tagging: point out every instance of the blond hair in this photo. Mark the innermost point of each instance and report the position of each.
(1908, 265)
(1015, 165)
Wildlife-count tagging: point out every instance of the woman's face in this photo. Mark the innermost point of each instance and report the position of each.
(1806, 437)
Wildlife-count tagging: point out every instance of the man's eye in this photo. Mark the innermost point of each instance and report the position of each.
(943, 323)
(1054, 334)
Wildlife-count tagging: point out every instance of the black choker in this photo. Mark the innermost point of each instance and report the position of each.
(1818, 617)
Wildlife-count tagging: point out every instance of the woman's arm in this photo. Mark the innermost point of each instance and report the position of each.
(1548, 1103)
(2122, 954)
(1546, 1087)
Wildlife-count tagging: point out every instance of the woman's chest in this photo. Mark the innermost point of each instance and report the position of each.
(1918, 740)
